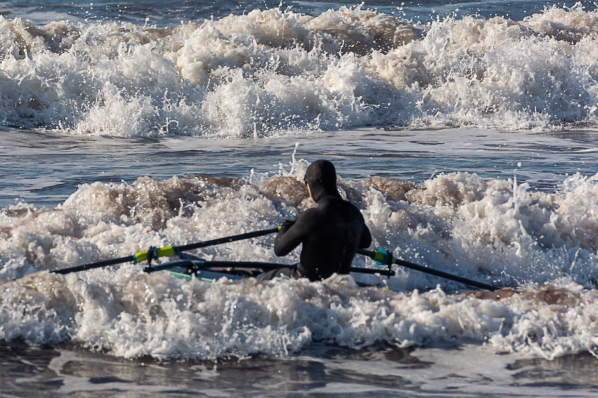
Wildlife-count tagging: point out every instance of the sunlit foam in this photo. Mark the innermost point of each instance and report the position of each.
(274, 72)
(497, 231)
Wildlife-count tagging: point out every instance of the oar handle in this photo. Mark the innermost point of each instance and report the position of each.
(381, 256)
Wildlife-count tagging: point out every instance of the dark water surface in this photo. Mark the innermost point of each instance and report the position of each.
(45, 168)
(65, 370)
(164, 13)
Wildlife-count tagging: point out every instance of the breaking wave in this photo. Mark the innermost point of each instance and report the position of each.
(542, 246)
(276, 72)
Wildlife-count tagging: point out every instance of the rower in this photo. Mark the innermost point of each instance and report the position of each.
(331, 233)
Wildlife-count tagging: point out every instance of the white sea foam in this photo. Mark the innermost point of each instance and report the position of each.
(495, 231)
(276, 72)
(130, 315)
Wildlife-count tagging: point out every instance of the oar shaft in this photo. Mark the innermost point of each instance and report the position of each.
(228, 239)
(100, 264)
(373, 254)
(165, 251)
(455, 278)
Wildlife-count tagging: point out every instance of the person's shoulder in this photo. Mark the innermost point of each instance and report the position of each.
(350, 208)
(337, 204)
(346, 203)
(310, 214)
(334, 201)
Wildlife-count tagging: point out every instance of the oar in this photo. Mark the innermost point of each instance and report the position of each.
(383, 257)
(164, 251)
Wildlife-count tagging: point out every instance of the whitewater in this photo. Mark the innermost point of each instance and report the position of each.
(465, 133)
(273, 72)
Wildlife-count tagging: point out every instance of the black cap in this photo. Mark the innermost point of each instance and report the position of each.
(321, 177)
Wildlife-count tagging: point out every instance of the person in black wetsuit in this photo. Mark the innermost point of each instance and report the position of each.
(331, 233)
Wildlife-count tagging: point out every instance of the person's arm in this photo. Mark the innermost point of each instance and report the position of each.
(291, 234)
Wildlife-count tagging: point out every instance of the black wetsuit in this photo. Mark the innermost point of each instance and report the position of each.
(331, 233)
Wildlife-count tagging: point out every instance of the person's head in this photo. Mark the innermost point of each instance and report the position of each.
(321, 179)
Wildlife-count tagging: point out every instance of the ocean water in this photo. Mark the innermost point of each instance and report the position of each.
(466, 132)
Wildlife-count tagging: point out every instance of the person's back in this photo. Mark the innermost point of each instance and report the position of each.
(331, 233)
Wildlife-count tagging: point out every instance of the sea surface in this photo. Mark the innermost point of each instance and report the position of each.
(466, 133)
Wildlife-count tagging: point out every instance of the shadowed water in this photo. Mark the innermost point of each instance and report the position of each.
(46, 168)
(67, 370)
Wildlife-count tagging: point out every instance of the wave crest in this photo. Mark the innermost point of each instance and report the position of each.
(277, 72)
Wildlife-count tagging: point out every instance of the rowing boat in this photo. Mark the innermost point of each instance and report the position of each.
(190, 266)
